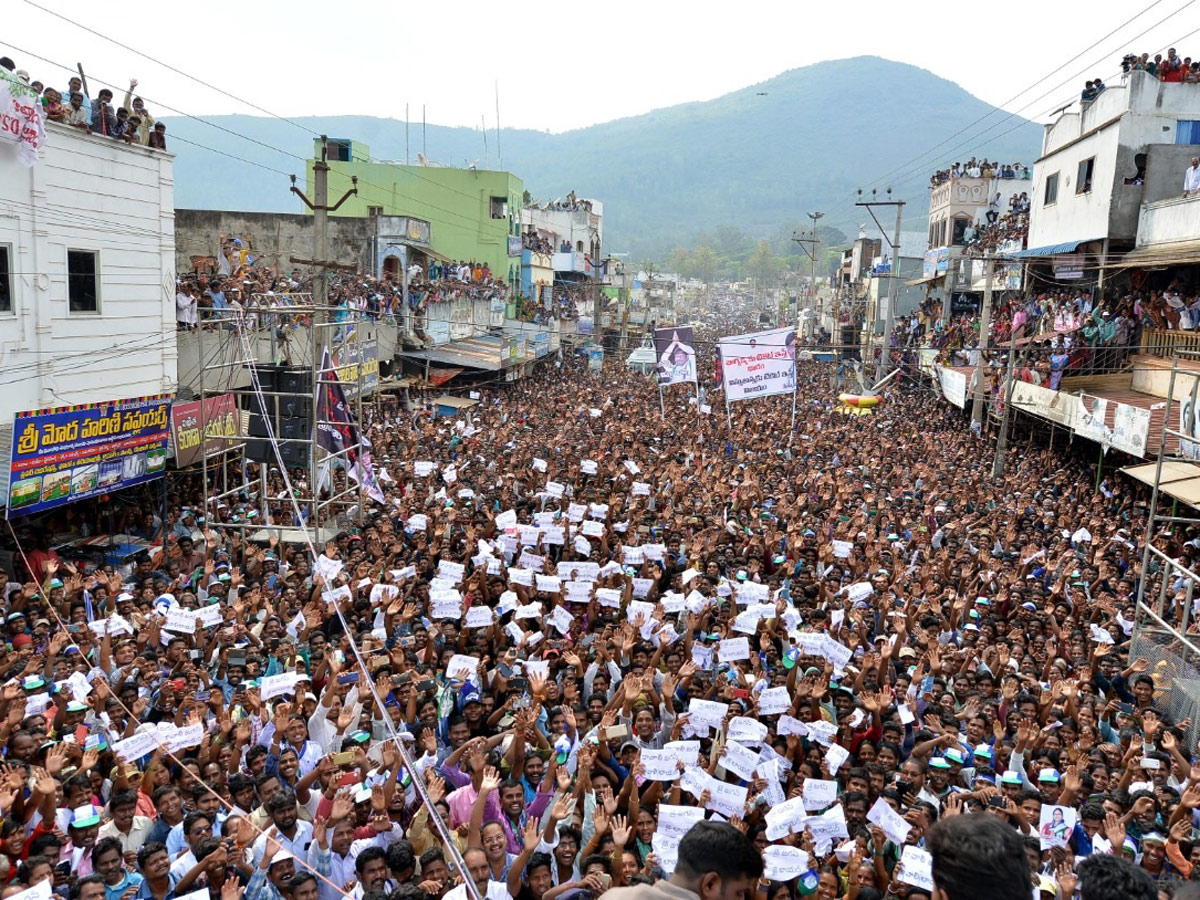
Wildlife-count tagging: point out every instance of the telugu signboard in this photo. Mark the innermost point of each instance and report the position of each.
(198, 429)
(346, 362)
(761, 364)
(67, 453)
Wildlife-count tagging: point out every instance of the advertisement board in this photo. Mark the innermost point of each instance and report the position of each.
(199, 428)
(68, 453)
(346, 362)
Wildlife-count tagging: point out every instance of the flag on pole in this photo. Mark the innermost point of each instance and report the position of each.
(338, 434)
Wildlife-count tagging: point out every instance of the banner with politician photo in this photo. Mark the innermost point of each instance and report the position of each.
(675, 348)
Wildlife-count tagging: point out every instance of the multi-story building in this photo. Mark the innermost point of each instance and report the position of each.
(87, 272)
(469, 214)
(87, 317)
(1101, 160)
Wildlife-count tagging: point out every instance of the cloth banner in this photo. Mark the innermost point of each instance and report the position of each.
(21, 119)
(760, 364)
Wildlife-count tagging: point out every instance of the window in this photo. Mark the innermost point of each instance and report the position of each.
(374, 210)
(1051, 190)
(960, 227)
(1083, 180)
(1187, 131)
(83, 281)
(6, 285)
(499, 207)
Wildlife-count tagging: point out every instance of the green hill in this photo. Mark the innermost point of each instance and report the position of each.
(757, 158)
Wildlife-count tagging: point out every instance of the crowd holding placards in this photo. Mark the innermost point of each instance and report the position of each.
(594, 624)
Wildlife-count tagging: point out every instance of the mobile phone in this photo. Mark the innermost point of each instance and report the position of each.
(904, 788)
(605, 880)
(614, 732)
(427, 685)
(203, 695)
(194, 654)
(237, 659)
(522, 702)
(741, 694)
(406, 641)
(402, 678)
(348, 678)
(347, 778)
(344, 759)
(520, 684)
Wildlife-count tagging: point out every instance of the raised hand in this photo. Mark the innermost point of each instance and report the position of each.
(491, 780)
(621, 830)
(532, 835)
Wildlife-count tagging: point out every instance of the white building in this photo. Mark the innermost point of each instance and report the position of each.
(87, 273)
(1093, 174)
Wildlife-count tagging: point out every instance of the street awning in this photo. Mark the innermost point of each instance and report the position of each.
(1180, 253)
(1180, 480)
(919, 281)
(1052, 249)
(484, 352)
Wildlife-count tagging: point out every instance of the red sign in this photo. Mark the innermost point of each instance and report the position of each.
(196, 431)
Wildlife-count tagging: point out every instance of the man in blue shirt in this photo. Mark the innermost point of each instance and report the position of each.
(108, 863)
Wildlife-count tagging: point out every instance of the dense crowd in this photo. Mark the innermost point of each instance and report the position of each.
(863, 665)
(131, 122)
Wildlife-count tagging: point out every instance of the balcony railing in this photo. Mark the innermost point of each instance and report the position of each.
(1158, 342)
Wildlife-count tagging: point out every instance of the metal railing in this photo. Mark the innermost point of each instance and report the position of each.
(1161, 342)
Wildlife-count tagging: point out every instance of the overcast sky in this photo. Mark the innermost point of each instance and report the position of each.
(563, 66)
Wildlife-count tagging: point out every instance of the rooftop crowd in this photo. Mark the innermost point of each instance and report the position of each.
(1170, 68)
(865, 665)
(981, 168)
(131, 122)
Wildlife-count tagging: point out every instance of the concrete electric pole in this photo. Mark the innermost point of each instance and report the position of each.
(321, 209)
(985, 324)
(889, 321)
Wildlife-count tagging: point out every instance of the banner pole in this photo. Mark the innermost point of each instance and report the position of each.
(662, 410)
(792, 430)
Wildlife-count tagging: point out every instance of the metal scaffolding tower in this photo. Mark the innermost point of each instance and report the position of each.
(1167, 589)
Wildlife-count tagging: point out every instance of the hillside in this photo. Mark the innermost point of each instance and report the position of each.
(755, 158)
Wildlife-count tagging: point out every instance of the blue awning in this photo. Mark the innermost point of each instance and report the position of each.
(1052, 249)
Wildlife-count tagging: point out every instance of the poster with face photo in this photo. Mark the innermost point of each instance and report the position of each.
(1055, 826)
(676, 350)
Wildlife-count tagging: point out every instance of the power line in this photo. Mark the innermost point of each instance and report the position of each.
(974, 139)
(165, 65)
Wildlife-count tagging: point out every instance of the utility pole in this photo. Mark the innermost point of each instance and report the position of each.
(815, 307)
(811, 252)
(321, 209)
(985, 324)
(885, 351)
(1002, 441)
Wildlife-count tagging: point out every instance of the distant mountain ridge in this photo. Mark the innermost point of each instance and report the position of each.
(756, 158)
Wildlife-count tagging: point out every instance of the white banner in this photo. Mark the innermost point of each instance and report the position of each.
(21, 119)
(1131, 424)
(761, 364)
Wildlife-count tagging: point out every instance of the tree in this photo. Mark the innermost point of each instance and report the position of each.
(763, 265)
(703, 263)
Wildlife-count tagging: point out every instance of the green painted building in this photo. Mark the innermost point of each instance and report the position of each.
(472, 213)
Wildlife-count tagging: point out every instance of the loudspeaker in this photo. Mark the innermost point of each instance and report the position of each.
(295, 456)
(295, 381)
(259, 450)
(294, 429)
(295, 407)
